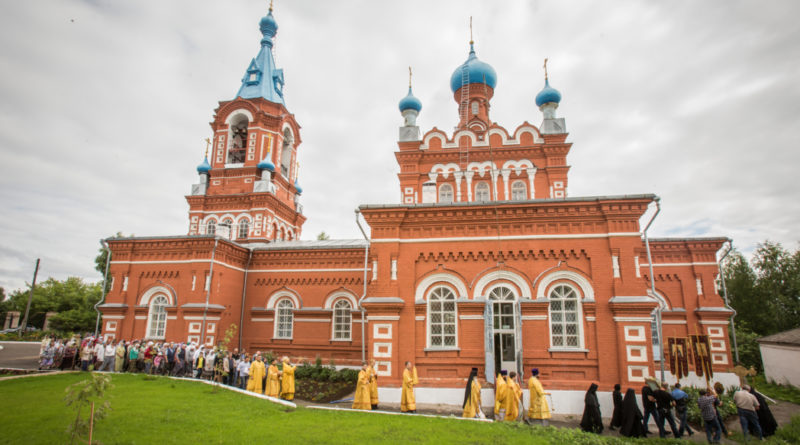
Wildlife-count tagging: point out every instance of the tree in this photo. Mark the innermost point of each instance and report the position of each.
(102, 256)
(72, 299)
(323, 236)
(765, 293)
(88, 392)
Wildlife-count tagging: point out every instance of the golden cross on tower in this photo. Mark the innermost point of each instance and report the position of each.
(545, 68)
(208, 144)
(270, 5)
(409, 77)
(470, 31)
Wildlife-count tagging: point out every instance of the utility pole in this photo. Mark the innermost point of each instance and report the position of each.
(30, 297)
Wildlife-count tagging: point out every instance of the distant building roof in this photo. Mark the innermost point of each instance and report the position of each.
(310, 244)
(790, 337)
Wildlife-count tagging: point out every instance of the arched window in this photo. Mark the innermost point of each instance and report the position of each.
(445, 193)
(482, 192)
(244, 228)
(157, 317)
(211, 227)
(519, 191)
(341, 320)
(564, 317)
(238, 139)
(503, 312)
(442, 316)
(227, 226)
(475, 107)
(283, 318)
(286, 152)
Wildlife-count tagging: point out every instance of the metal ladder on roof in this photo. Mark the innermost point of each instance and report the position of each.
(464, 108)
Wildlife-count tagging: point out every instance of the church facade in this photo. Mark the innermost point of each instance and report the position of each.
(486, 262)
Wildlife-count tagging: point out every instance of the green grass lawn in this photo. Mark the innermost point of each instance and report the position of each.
(782, 392)
(169, 411)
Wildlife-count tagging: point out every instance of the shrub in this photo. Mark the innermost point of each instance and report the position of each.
(787, 434)
(726, 409)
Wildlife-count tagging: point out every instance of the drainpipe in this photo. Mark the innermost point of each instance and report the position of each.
(364, 294)
(727, 303)
(208, 291)
(103, 295)
(244, 292)
(653, 284)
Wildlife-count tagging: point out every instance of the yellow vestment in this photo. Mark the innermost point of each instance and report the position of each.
(407, 400)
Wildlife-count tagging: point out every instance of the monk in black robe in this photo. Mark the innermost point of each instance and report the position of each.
(616, 417)
(632, 425)
(592, 421)
(765, 418)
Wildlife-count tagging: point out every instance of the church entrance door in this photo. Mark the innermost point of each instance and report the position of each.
(504, 329)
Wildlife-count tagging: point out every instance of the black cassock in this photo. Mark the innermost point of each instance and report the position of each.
(631, 416)
(592, 421)
(616, 417)
(765, 418)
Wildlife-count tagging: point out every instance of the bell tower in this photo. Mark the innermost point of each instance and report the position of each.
(248, 187)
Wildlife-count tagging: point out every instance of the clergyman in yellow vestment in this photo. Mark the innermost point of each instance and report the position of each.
(287, 380)
(273, 380)
(361, 399)
(408, 404)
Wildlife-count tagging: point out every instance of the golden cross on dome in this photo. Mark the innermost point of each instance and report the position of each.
(409, 77)
(545, 68)
(470, 31)
(270, 5)
(208, 144)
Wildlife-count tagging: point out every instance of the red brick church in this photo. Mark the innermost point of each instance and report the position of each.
(487, 261)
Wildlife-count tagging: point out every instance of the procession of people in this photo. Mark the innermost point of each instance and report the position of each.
(252, 373)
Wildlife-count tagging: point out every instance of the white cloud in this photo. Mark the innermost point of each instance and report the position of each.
(105, 106)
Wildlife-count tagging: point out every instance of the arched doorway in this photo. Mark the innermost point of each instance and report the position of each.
(504, 328)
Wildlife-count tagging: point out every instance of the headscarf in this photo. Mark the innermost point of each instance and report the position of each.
(468, 391)
(591, 394)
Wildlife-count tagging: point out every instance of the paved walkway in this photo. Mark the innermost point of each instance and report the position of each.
(19, 355)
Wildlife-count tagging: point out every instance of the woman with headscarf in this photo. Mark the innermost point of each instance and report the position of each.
(472, 396)
(592, 421)
(616, 417)
(765, 418)
(539, 410)
(631, 416)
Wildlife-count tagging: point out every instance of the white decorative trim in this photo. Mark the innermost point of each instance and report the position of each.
(193, 339)
(719, 359)
(458, 239)
(717, 345)
(634, 319)
(634, 333)
(153, 291)
(200, 317)
(384, 368)
(284, 293)
(172, 317)
(261, 319)
(720, 322)
(419, 318)
(578, 279)
(383, 317)
(471, 317)
(194, 327)
(114, 317)
(340, 294)
(640, 357)
(480, 288)
(673, 322)
(220, 263)
(562, 349)
(591, 318)
(111, 326)
(376, 347)
(645, 373)
(715, 332)
(532, 317)
(140, 317)
(708, 263)
(376, 328)
(427, 282)
(211, 328)
(314, 320)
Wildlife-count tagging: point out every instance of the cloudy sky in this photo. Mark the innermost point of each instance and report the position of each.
(104, 106)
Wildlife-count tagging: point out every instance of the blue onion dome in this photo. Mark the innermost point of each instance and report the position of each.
(548, 94)
(204, 167)
(478, 72)
(410, 102)
(265, 164)
(268, 25)
(297, 186)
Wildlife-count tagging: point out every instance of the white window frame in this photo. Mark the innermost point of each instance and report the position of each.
(445, 194)
(475, 107)
(521, 187)
(243, 223)
(429, 318)
(479, 187)
(152, 326)
(211, 227)
(280, 307)
(345, 327)
(578, 316)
